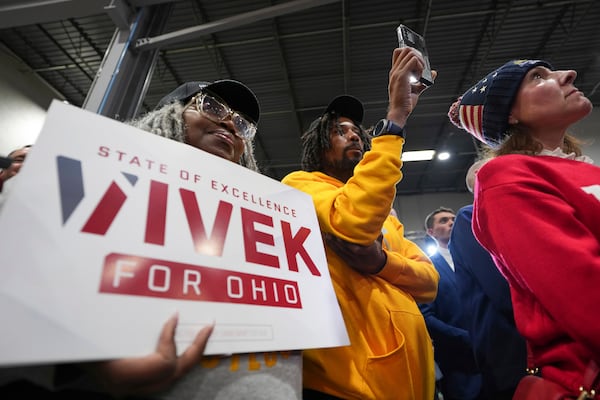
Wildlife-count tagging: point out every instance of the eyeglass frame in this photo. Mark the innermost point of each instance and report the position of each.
(198, 99)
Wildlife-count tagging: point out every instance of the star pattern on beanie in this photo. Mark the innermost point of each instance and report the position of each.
(483, 109)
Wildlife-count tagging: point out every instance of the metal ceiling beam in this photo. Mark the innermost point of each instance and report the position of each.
(31, 12)
(15, 13)
(290, 90)
(66, 78)
(120, 13)
(553, 27)
(217, 55)
(124, 76)
(66, 53)
(234, 21)
(345, 46)
(441, 136)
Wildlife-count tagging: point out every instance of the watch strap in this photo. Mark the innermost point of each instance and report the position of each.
(387, 127)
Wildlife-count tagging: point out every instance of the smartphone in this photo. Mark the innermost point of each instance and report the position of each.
(409, 38)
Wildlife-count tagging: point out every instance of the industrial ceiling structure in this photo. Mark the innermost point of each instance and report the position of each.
(119, 57)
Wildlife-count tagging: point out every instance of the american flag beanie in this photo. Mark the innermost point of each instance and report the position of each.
(483, 110)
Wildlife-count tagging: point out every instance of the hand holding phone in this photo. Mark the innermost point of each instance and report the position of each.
(409, 38)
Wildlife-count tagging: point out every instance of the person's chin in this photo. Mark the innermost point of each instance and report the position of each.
(355, 153)
(355, 159)
(227, 155)
(351, 162)
(220, 151)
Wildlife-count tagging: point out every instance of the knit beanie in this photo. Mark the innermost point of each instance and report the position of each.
(483, 110)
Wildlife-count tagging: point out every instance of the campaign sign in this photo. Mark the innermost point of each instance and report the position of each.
(108, 230)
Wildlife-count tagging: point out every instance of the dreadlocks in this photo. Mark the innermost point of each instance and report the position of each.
(316, 140)
(167, 122)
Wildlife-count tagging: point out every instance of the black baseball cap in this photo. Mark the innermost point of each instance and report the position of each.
(347, 106)
(237, 96)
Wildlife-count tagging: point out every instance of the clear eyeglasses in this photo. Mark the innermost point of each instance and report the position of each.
(217, 111)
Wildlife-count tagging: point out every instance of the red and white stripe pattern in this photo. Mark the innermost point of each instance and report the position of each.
(471, 118)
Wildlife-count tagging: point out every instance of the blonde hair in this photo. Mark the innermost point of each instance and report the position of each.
(518, 141)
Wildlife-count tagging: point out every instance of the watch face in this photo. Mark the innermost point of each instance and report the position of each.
(379, 128)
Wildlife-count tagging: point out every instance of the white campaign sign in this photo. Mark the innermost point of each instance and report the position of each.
(108, 230)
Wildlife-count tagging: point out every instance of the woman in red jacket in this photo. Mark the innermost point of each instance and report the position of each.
(537, 211)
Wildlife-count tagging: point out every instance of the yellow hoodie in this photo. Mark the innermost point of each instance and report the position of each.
(390, 354)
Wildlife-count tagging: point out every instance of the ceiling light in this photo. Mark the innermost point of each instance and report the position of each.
(420, 155)
(444, 155)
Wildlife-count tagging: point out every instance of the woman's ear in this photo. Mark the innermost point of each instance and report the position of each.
(512, 120)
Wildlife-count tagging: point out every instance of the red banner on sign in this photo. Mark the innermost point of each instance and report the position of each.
(141, 276)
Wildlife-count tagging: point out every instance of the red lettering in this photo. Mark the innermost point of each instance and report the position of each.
(252, 237)
(103, 151)
(135, 160)
(295, 245)
(256, 238)
(203, 245)
(156, 218)
(106, 211)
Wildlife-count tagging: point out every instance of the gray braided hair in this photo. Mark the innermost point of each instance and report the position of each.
(168, 122)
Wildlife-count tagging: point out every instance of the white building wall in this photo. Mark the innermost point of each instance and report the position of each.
(24, 99)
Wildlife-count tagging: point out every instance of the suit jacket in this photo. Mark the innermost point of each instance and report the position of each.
(499, 348)
(453, 349)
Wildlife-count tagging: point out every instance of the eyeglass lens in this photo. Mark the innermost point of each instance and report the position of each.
(214, 107)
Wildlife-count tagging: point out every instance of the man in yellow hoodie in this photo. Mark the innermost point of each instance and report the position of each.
(378, 275)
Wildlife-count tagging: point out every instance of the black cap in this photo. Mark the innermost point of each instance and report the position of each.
(237, 96)
(347, 106)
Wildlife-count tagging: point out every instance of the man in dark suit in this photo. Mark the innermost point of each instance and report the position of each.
(453, 350)
(499, 348)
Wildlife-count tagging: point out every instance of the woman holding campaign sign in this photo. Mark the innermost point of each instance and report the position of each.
(219, 118)
(206, 115)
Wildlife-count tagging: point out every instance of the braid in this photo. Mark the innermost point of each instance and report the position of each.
(316, 140)
(168, 122)
(248, 160)
(313, 144)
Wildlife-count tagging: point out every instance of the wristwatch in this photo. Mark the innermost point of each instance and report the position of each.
(387, 127)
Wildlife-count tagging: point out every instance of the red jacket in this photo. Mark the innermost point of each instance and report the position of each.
(539, 217)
